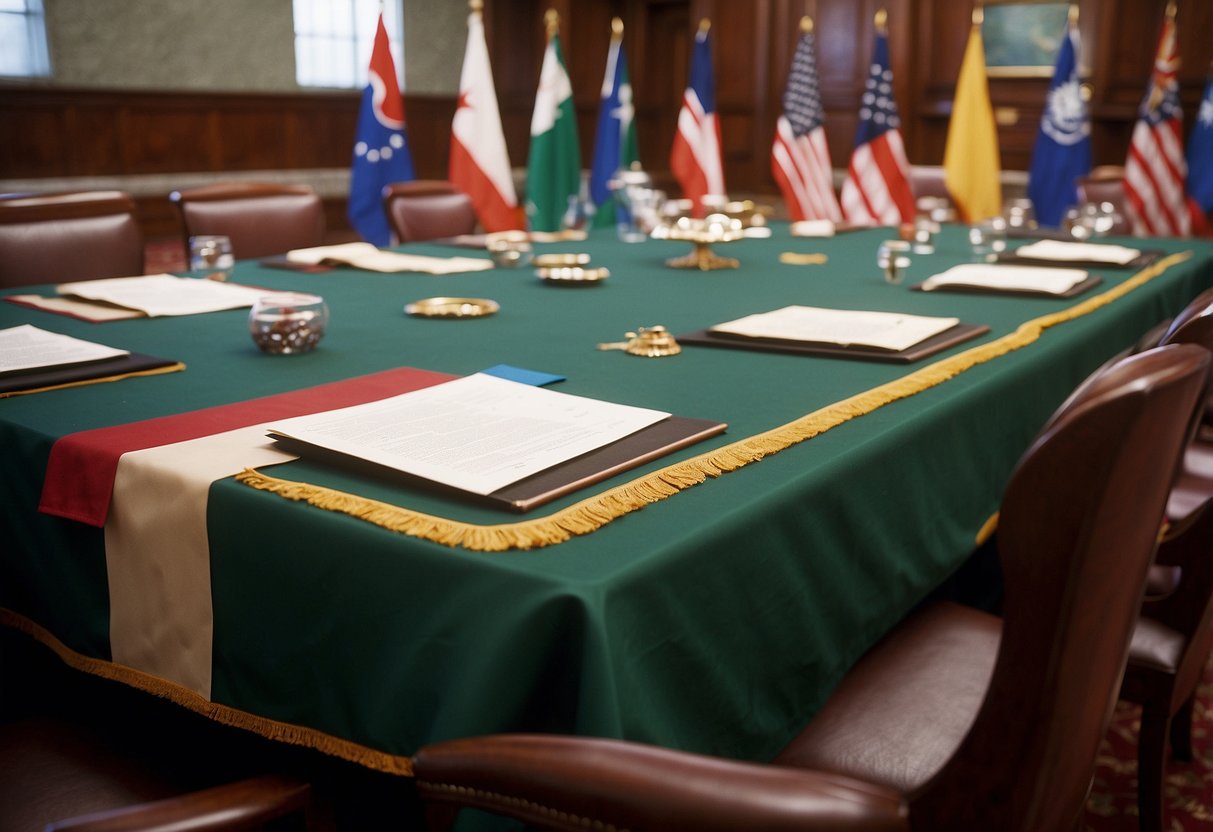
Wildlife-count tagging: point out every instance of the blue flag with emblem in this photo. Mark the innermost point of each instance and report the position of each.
(1200, 153)
(381, 150)
(1063, 145)
(615, 142)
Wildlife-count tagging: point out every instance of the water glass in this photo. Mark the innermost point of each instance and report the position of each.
(211, 253)
(988, 239)
(893, 257)
(1020, 215)
(288, 322)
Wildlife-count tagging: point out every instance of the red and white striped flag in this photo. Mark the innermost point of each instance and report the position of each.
(480, 165)
(696, 159)
(1155, 168)
(800, 158)
(877, 188)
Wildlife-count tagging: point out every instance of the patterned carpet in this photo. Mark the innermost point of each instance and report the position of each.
(1112, 806)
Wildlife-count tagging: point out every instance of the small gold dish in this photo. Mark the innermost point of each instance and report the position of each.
(573, 275)
(552, 261)
(452, 308)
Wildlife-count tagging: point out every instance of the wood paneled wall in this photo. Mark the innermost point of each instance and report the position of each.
(54, 132)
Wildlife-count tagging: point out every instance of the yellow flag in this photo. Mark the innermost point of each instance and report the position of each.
(970, 159)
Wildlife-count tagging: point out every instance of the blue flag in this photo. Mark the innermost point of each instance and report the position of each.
(615, 142)
(381, 150)
(1063, 146)
(1200, 153)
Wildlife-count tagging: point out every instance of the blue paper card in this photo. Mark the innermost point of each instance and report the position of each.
(522, 376)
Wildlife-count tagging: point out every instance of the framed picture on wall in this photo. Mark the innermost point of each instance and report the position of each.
(1022, 37)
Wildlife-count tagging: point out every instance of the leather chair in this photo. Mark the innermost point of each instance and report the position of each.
(1106, 184)
(260, 218)
(68, 236)
(956, 720)
(426, 209)
(1173, 637)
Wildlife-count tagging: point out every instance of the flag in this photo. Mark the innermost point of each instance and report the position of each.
(877, 188)
(1155, 169)
(1063, 145)
(381, 150)
(970, 158)
(1200, 153)
(615, 142)
(480, 165)
(696, 159)
(553, 170)
(800, 159)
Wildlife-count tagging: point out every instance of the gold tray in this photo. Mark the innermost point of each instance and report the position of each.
(573, 275)
(452, 307)
(549, 261)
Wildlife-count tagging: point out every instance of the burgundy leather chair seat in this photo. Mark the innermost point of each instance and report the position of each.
(1156, 646)
(260, 218)
(902, 711)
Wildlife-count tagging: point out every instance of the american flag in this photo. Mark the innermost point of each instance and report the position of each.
(800, 159)
(877, 187)
(1155, 169)
(696, 159)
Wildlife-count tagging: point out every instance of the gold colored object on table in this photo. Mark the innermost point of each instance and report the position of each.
(572, 275)
(452, 308)
(548, 261)
(795, 258)
(703, 233)
(648, 342)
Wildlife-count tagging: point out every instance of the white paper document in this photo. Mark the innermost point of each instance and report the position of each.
(367, 256)
(1008, 278)
(884, 330)
(1078, 252)
(27, 347)
(479, 433)
(164, 294)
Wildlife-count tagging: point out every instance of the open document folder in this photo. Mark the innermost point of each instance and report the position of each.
(486, 436)
(158, 295)
(367, 256)
(33, 359)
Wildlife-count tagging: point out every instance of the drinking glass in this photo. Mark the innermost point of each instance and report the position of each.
(1020, 215)
(988, 239)
(211, 253)
(288, 322)
(893, 257)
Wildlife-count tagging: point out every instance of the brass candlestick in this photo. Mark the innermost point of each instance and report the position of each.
(702, 234)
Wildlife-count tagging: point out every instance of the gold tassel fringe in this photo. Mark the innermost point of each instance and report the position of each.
(595, 512)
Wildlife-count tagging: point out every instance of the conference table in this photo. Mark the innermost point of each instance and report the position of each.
(707, 600)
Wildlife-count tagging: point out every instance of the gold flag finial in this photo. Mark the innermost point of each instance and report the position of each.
(617, 27)
(552, 20)
(806, 24)
(979, 14)
(1172, 9)
(1073, 15)
(477, 6)
(704, 25)
(881, 20)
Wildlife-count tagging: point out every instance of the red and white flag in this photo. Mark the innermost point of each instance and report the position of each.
(800, 158)
(877, 188)
(480, 165)
(696, 157)
(1155, 169)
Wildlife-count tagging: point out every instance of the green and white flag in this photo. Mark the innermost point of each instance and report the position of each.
(553, 171)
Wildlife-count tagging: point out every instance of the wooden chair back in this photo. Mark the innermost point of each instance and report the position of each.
(260, 218)
(427, 209)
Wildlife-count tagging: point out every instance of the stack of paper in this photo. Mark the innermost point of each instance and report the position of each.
(882, 330)
(367, 256)
(28, 348)
(1063, 251)
(998, 278)
(163, 294)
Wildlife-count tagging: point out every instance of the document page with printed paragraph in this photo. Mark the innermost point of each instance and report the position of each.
(885, 330)
(165, 294)
(1062, 251)
(367, 256)
(1045, 279)
(478, 434)
(28, 347)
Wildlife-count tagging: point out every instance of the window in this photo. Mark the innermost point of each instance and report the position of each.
(23, 39)
(333, 40)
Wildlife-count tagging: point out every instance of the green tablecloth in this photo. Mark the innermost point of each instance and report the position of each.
(716, 620)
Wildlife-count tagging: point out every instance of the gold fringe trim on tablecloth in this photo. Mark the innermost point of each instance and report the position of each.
(595, 512)
(186, 698)
(156, 371)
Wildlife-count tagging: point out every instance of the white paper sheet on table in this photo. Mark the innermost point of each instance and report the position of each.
(28, 347)
(165, 294)
(367, 256)
(479, 433)
(884, 330)
(1008, 278)
(1063, 251)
